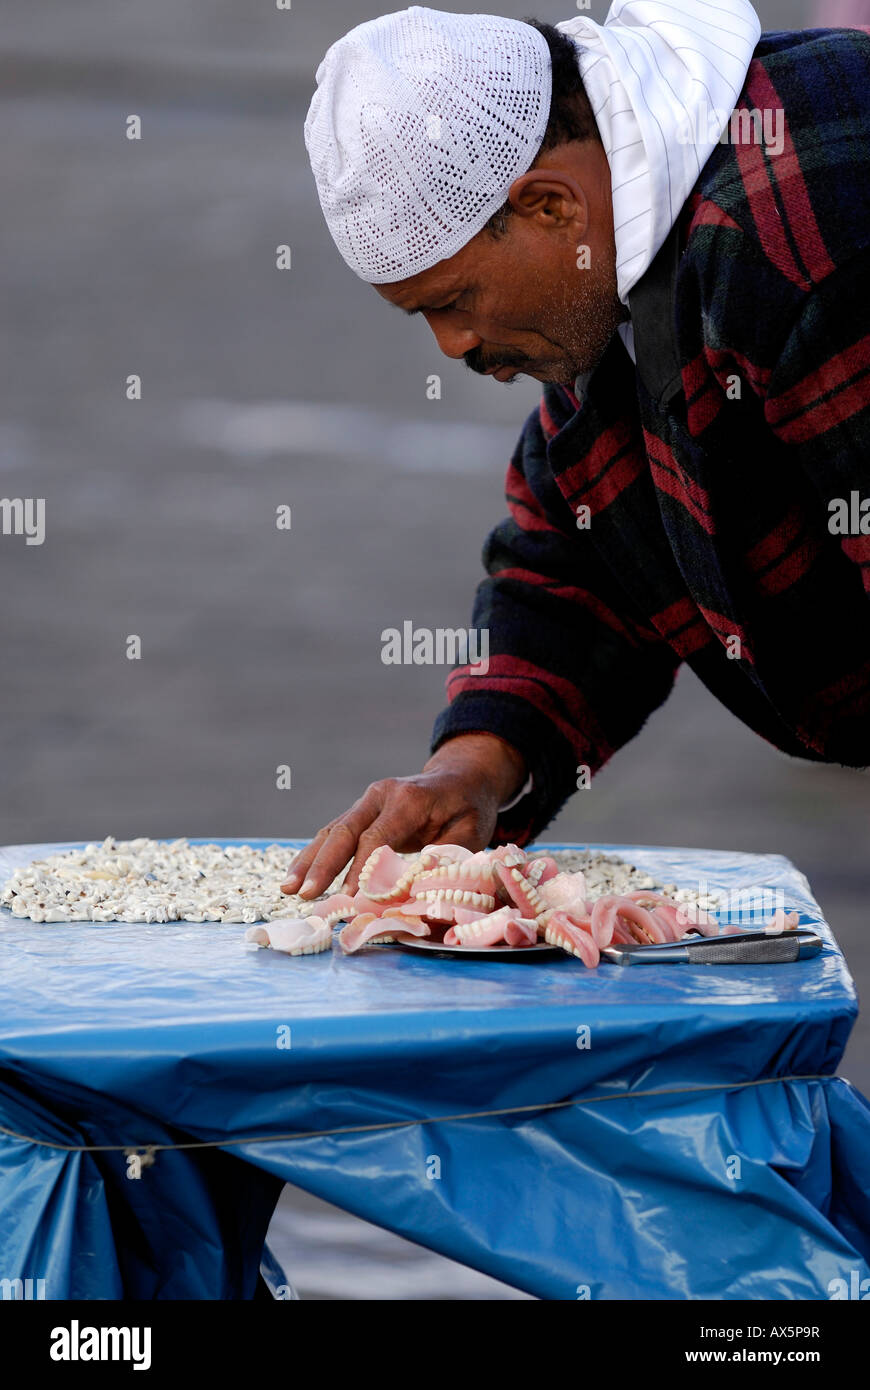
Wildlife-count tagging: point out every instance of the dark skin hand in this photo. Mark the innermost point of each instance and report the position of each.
(454, 800)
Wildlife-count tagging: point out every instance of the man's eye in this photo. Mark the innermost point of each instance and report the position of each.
(444, 307)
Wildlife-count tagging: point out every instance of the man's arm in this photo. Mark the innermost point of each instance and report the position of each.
(573, 673)
(570, 677)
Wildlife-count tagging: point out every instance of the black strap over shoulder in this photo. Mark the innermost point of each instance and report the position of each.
(652, 304)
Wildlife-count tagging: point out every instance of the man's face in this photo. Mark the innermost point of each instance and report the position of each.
(533, 300)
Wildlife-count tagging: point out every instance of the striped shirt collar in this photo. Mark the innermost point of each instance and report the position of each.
(662, 79)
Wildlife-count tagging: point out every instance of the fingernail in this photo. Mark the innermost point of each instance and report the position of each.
(290, 881)
(307, 887)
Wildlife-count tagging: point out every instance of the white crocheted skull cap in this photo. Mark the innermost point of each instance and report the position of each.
(419, 125)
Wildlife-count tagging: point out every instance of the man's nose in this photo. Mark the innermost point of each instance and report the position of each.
(454, 339)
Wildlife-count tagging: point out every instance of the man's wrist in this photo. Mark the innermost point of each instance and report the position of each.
(519, 796)
(502, 765)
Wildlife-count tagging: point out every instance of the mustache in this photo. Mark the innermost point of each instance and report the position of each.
(476, 362)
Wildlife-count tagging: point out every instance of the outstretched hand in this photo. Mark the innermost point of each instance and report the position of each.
(454, 799)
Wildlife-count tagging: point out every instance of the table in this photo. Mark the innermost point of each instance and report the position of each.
(644, 1133)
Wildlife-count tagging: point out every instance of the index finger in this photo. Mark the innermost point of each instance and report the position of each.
(337, 847)
(301, 859)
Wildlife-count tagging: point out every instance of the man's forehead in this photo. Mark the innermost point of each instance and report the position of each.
(423, 291)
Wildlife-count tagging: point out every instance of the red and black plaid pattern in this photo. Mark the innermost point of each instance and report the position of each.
(708, 539)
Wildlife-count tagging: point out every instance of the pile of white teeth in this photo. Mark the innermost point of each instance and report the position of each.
(607, 873)
(154, 881)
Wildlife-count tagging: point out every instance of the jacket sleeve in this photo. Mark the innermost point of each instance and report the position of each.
(818, 403)
(571, 674)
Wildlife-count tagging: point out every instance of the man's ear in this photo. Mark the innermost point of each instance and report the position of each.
(552, 197)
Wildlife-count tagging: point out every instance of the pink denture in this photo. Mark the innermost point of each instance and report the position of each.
(522, 932)
(668, 917)
(395, 920)
(440, 912)
(484, 931)
(605, 923)
(541, 869)
(336, 907)
(368, 927)
(641, 922)
(518, 890)
(782, 921)
(362, 903)
(386, 876)
(295, 935)
(506, 854)
(445, 854)
(564, 930)
(564, 890)
(694, 919)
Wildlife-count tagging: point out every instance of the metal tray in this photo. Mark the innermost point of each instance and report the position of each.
(437, 948)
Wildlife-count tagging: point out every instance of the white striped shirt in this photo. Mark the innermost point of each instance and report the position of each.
(662, 79)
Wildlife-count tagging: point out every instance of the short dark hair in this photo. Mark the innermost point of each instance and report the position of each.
(570, 116)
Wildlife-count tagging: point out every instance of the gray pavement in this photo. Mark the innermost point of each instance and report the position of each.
(260, 388)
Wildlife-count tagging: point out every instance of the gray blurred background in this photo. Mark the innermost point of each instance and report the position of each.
(261, 647)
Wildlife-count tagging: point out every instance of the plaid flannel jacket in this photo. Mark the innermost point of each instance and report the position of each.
(709, 470)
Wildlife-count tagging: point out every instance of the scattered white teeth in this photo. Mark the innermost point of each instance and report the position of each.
(154, 881)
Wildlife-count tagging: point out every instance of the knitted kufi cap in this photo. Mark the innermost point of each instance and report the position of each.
(419, 125)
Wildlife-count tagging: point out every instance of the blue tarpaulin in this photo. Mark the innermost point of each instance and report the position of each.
(643, 1133)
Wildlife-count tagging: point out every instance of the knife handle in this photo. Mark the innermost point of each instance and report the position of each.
(771, 951)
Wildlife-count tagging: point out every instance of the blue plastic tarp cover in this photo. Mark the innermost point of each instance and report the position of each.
(663, 1132)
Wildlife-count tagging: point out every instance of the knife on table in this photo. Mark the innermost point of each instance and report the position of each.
(743, 948)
